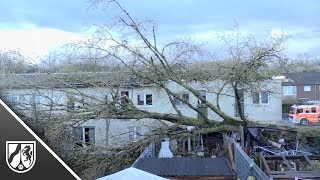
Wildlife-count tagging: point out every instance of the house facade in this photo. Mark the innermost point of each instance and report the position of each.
(34, 93)
(302, 86)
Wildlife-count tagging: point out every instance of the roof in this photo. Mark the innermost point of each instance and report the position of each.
(131, 173)
(79, 79)
(303, 78)
(186, 166)
(305, 105)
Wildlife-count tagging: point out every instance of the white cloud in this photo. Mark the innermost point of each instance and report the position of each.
(35, 42)
(301, 39)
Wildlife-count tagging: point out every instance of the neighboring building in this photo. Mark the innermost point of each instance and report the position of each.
(79, 92)
(302, 86)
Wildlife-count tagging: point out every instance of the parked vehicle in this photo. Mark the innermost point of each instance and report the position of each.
(305, 114)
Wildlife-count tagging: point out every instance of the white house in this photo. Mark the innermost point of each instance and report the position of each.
(70, 93)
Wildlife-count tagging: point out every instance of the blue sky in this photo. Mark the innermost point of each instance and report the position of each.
(37, 27)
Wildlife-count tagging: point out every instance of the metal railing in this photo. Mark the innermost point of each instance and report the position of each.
(244, 165)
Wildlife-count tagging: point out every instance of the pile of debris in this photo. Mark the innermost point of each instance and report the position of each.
(278, 153)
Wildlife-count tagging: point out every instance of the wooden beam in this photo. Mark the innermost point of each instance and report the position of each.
(297, 174)
(271, 157)
(230, 147)
(309, 161)
(241, 131)
(286, 162)
(292, 172)
(264, 162)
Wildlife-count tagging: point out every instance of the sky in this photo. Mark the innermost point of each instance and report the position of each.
(38, 27)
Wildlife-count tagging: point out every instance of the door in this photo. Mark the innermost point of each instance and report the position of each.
(311, 114)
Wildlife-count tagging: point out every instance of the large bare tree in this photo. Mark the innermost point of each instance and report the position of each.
(134, 44)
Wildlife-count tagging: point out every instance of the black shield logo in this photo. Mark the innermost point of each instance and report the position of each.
(20, 155)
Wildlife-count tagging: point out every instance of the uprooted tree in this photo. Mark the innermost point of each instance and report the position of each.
(139, 54)
(134, 44)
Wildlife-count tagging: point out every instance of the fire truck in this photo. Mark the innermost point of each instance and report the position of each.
(305, 114)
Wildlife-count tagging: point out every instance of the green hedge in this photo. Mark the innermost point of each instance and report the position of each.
(286, 108)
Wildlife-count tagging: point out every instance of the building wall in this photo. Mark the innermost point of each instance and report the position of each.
(114, 132)
(272, 111)
(314, 94)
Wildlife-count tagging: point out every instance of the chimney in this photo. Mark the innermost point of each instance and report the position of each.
(165, 151)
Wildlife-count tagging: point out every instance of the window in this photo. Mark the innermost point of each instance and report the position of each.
(144, 99)
(307, 110)
(289, 90)
(125, 93)
(12, 99)
(140, 99)
(84, 135)
(89, 135)
(307, 88)
(299, 111)
(264, 97)
(149, 99)
(260, 98)
(203, 93)
(124, 97)
(36, 99)
(313, 110)
(134, 133)
(23, 99)
(255, 97)
(184, 97)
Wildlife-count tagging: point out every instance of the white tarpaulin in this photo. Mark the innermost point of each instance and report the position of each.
(131, 174)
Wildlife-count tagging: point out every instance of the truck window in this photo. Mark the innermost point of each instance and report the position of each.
(299, 110)
(314, 110)
(307, 110)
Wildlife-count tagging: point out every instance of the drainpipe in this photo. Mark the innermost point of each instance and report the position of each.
(107, 131)
(131, 95)
(315, 92)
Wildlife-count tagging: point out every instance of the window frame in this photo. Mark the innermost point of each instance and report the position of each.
(308, 110)
(307, 90)
(144, 100)
(135, 134)
(289, 90)
(124, 96)
(82, 135)
(255, 100)
(267, 93)
(147, 102)
(259, 102)
(180, 103)
(9, 98)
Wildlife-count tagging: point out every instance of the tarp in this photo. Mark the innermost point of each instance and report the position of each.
(132, 174)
